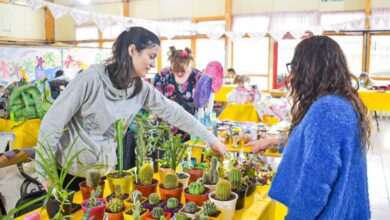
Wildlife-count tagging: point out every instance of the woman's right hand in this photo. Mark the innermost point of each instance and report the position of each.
(263, 144)
(46, 184)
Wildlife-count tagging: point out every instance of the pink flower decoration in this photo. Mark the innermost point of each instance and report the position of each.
(184, 54)
(169, 90)
(215, 70)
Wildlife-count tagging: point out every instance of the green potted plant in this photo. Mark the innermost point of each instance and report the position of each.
(137, 196)
(210, 210)
(171, 187)
(97, 205)
(120, 177)
(93, 179)
(153, 201)
(172, 205)
(157, 213)
(137, 212)
(224, 199)
(196, 192)
(181, 216)
(145, 183)
(211, 177)
(118, 194)
(190, 208)
(114, 209)
(238, 186)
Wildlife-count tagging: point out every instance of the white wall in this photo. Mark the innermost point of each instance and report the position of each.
(21, 22)
(380, 3)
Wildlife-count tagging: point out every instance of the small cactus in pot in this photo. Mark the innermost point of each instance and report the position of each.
(115, 205)
(170, 181)
(210, 209)
(235, 178)
(196, 188)
(181, 216)
(190, 207)
(211, 177)
(223, 190)
(154, 199)
(172, 203)
(145, 175)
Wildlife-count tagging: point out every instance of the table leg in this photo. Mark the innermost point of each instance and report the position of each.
(376, 119)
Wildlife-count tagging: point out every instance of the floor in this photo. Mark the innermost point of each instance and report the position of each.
(378, 161)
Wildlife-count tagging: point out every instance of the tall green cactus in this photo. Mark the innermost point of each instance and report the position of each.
(223, 191)
(119, 138)
(235, 178)
(170, 181)
(146, 174)
(209, 208)
(196, 188)
(137, 209)
(93, 178)
(211, 177)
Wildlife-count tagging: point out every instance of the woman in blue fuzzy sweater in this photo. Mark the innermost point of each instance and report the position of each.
(323, 173)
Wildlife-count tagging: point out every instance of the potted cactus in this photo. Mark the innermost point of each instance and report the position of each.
(196, 192)
(153, 201)
(144, 181)
(157, 213)
(137, 212)
(171, 187)
(174, 151)
(136, 196)
(201, 216)
(224, 199)
(190, 209)
(211, 177)
(120, 177)
(238, 187)
(172, 205)
(93, 179)
(210, 210)
(114, 209)
(97, 205)
(117, 194)
(181, 216)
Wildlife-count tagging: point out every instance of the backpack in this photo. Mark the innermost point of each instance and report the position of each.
(25, 103)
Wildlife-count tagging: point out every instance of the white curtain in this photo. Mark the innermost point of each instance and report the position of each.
(170, 28)
(250, 23)
(380, 19)
(346, 20)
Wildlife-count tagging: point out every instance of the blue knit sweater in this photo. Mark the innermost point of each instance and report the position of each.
(323, 173)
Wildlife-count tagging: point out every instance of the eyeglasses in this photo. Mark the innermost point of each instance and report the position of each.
(288, 66)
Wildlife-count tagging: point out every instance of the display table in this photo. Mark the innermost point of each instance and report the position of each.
(240, 113)
(221, 95)
(375, 101)
(26, 134)
(257, 206)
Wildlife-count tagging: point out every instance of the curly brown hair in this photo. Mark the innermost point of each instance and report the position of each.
(319, 68)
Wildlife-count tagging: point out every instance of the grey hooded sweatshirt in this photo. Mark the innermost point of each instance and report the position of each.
(87, 109)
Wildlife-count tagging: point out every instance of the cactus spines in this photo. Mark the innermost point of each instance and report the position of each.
(154, 198)
(172, 203)
(170, 181)
(201, 216)
(190, 207)
(157, 212)
(181, 216)
(146, 174)
(93, 178)
(223, 191)
(196, 188)
(211, 178)
(235, 178)
(209, 209)
(115, 205)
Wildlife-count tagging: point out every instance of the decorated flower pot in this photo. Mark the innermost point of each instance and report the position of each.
(125, 181)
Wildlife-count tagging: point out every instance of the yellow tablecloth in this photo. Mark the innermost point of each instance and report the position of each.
(240, 113)
(26, 133)
(257, 206)
(220, 96)
(375, 101)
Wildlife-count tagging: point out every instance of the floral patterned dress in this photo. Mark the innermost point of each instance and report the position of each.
(165, 83)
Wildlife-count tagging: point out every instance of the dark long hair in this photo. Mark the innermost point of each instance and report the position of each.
(319, 68)
(120, 65)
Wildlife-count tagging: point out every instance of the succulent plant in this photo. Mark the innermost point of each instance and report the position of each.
(235, 178)
(137, 209)
(93, 178)
(154, 198)
(118, 192)
(137, 196)
(190, 207)
(157, 212)
(196, 188)
(181, 216)
(211, 177)
(201, 216)
(170, 181)
(172, 203)
(223, 190)
(209, 208)
(115, 205)
(93, 200)
(146, 174)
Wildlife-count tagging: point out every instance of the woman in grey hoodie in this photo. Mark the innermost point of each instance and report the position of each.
(86, 110)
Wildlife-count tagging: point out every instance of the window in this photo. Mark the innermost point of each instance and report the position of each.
(331, 18)
(87, 33)
(88, 44)
(108, 45)
(260, 81)
(209, 50)
(165, 44)
(112, 32)
(285, 54)
(352, 47)
(380, 56)
(251, 56)
(250, 23)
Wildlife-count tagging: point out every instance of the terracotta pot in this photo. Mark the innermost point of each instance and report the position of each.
(148, 216)
(146, 190)
(86, 191)
(198, 199)
(165, 194)
(97, 212)
(114, 215)
(126, 181)
(195, 174)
